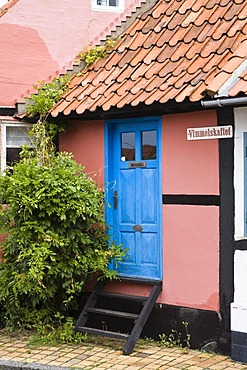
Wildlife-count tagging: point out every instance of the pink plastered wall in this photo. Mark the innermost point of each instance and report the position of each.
(86, 141)
(191, 256)
(189, 167)
(39, 39)
(190, 233)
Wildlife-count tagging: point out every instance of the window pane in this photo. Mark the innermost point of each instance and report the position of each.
(149, 144)
(107, 2)
(128, 146)
(12, 156)
(17, 136)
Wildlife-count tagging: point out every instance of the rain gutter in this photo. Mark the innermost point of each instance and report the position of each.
(219, 103)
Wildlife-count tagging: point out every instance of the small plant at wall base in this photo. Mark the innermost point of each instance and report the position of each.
(175, 338)
(57, 237)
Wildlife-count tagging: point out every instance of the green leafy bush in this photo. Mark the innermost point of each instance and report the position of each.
(57, 239)
(56, 233)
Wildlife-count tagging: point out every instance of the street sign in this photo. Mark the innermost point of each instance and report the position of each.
(206, 133)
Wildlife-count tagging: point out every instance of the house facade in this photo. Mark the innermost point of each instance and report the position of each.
(160, 124)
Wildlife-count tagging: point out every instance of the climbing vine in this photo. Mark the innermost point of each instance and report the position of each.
(38, 107)
(46, 96)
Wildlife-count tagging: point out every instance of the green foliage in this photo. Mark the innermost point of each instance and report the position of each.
(44, 131)
(42, 138)
(47, 95)
(96, 53)
(175, 338)
(63, 333)
(57, 239)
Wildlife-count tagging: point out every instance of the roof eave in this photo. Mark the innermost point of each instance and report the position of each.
(140, 110)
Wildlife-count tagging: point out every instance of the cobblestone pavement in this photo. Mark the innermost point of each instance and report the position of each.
(98, 356)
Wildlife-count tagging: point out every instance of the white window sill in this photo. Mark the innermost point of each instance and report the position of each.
(112, 9)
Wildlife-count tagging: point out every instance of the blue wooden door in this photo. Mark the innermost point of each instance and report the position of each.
(135, 196)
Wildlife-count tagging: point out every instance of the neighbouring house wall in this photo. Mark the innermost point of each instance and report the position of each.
(86, 141)
(40, 38)
(239, 307)
(26, 62)
(240, 115)
(240, 257)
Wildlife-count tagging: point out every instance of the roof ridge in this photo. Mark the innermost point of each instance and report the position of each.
(119, 25)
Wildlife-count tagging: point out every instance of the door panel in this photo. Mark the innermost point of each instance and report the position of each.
(126, 183)
(134, 168)
(148, 189)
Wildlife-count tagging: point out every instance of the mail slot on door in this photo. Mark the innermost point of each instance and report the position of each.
(137, 164)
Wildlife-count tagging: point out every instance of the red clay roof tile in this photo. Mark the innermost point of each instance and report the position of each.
(125, 99)
(244, 76)
(232, 64)
(178, 49)
(239, 86)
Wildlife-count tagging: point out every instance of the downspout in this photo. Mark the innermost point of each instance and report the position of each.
(223, 102)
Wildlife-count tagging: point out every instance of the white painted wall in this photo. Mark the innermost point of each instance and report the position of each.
(240, 277)
(239, 306)
(240, 127)
(238, 318)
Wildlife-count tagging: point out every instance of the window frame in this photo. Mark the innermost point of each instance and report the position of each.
(4, 126)
(108, 8)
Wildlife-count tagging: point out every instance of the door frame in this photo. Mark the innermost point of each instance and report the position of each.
(108, 174)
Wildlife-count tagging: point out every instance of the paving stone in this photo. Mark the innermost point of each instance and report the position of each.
(18, 356)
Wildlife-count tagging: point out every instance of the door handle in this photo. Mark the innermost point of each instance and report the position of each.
(115, 199)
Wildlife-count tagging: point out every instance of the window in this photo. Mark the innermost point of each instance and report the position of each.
(108, 5)
(128, 150)
(240, 173)
(13, 137)
(149, 145)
